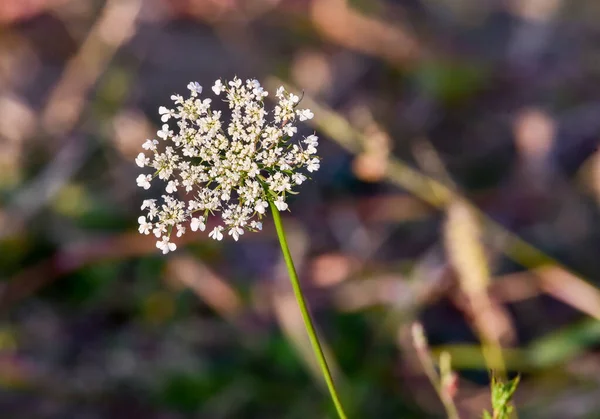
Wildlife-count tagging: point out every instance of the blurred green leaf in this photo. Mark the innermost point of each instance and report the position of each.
(186, 391)
(90, 284)
(564, 344)
(450, 81)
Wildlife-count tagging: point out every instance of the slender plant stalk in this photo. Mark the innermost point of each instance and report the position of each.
(308, 323)
(447, 401)
(422, 348)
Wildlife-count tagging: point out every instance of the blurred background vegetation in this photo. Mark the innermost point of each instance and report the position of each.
(459, 188)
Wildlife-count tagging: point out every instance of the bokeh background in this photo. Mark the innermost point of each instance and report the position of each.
(459, 188)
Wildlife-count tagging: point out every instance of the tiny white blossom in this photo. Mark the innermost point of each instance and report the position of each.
(290, 130)
(216, 233)
(314, 165)
(172, 186)
(218, 87)
(261, 206)
(141, 160)
(159, 230)
(150, 145)
(235, 83)
(312, 140)
(164, 132)
(197, 224)
(145, 226)
(165, 113)
(165, 245)
(305, 114)
(194, 88)
(257, 89)
(143, 181)
(236, 232)
(280, 204)
(152, 212)
(148, 203)
(298, 178)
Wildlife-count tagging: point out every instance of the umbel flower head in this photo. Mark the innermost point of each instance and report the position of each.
(228, 166)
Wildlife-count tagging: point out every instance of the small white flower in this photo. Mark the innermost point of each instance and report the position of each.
(290, 130)
(145, 226)
(194, 88)
(298, 178)
(165, 113)
(218, 87)
(150, 145)
(313, 165)
(180, 230)
(236, 232)
(235, 83)
(165, 245)
(152, 212)
(143, 181)
(312, 140)
(159, 230)
(280, 204)
(216, 233)
(141, 160)
(254, 170)
(261, 206)
(256, 225)
(254, 84)
(197, 224)
(172, 186)
(164, 132)
(257, 89)
(148, 203)
(305, 114)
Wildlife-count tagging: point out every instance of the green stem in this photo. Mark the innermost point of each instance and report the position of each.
(308, 323)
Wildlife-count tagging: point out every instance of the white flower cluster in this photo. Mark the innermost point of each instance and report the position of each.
(232, 167)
